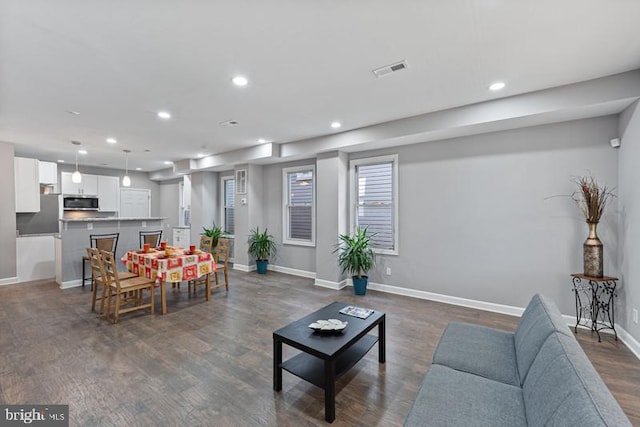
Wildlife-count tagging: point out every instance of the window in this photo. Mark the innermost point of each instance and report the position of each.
(299, 216)
(374, 198)
(228, 204)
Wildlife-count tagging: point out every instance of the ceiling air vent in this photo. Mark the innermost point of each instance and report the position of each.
(230, 123)
(392, 68)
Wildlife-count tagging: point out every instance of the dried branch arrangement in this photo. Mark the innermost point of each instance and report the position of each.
(591, 198)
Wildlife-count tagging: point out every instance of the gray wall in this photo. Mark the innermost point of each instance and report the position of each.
(477, 215)
(291, 256)
(7, 212)
(475, 220)
(629, 207)
(204, 203)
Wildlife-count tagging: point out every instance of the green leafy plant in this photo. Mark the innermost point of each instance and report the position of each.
(261, 245)
(354, 252)
(214, 232)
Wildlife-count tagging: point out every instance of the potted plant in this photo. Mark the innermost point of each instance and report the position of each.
(214, 232)
(356, 257)
(261, 247)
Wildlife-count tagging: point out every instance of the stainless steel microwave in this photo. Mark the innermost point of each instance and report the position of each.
(80, 203)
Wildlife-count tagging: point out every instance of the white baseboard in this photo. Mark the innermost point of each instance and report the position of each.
(8, 281)
(71, 284)
(330, 284)
(464, 302)
(242, 267)
(629, 341)
(623, 335)
(292, 271)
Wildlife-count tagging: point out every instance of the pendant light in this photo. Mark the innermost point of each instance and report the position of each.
(126, 181)
(76, 178)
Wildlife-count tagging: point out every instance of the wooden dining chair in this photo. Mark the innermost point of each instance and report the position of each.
(220, 257)
(206, 243)
(221, 254)
(103, 242)
(152, 238)
(99, 280)
(125, 291)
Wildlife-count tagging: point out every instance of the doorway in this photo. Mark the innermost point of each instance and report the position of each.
(135, 203)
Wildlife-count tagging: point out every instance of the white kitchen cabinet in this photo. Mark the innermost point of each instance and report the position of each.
(88, 186)
(27, 184)
(181, 237)
(48, 173)
(108, 191)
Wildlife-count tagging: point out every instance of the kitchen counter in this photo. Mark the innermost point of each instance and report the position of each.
(38, 235)
(112, 218)
(75, 236)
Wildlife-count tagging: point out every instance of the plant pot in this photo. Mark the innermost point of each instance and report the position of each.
(360, 284)
(593, 253)
(262, 266)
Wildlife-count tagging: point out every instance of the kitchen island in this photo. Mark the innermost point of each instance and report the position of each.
(73, 240)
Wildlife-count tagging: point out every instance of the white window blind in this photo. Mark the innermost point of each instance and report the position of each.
(229, 205)
(299, 218)
(375, 202)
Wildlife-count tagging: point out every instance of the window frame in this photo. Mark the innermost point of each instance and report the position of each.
(353, 200)
(223, 206)
(285, 206)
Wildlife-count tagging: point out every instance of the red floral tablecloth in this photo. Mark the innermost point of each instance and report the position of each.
(181, 267)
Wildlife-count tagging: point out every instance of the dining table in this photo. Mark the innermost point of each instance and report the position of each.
(172, 264)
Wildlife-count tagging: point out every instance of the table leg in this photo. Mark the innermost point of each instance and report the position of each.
(208, 286)
(163, 297)
(382, 340)
(329, 390)
(277, 361)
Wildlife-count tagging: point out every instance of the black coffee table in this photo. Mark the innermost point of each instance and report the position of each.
(326, 356)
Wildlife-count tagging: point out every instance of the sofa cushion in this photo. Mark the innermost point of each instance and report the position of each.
(478, 350)
(540, 319)
(454, 398)
(563, 388)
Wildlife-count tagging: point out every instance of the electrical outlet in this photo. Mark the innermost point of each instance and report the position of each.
(89, 226)
(144, 224)
(635, 315)
(388, 271)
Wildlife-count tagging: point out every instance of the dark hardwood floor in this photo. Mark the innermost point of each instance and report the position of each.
(210, 363)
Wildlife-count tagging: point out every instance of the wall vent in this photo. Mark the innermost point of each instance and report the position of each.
(230, 123)
(391, 68)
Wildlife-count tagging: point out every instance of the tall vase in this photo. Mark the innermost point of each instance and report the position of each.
(593, 252)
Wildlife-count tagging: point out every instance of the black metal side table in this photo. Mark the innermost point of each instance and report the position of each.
(594, 298)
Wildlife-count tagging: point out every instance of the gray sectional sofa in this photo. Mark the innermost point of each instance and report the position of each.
(537, 376)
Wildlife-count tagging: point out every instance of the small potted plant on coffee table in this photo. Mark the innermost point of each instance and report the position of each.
(261, 247)
(356, 257)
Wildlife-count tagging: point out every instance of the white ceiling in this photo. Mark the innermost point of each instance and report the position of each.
(308, 62)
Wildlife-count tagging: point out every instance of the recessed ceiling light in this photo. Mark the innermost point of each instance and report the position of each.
(112, 140)
(262, 140)
(336, 125)
(240, 81)
(60, 161)
(164, 115)
(497, 86)
(200, 155)
(138, 169)
(82, 151)
(168, 162)
(75, 113)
